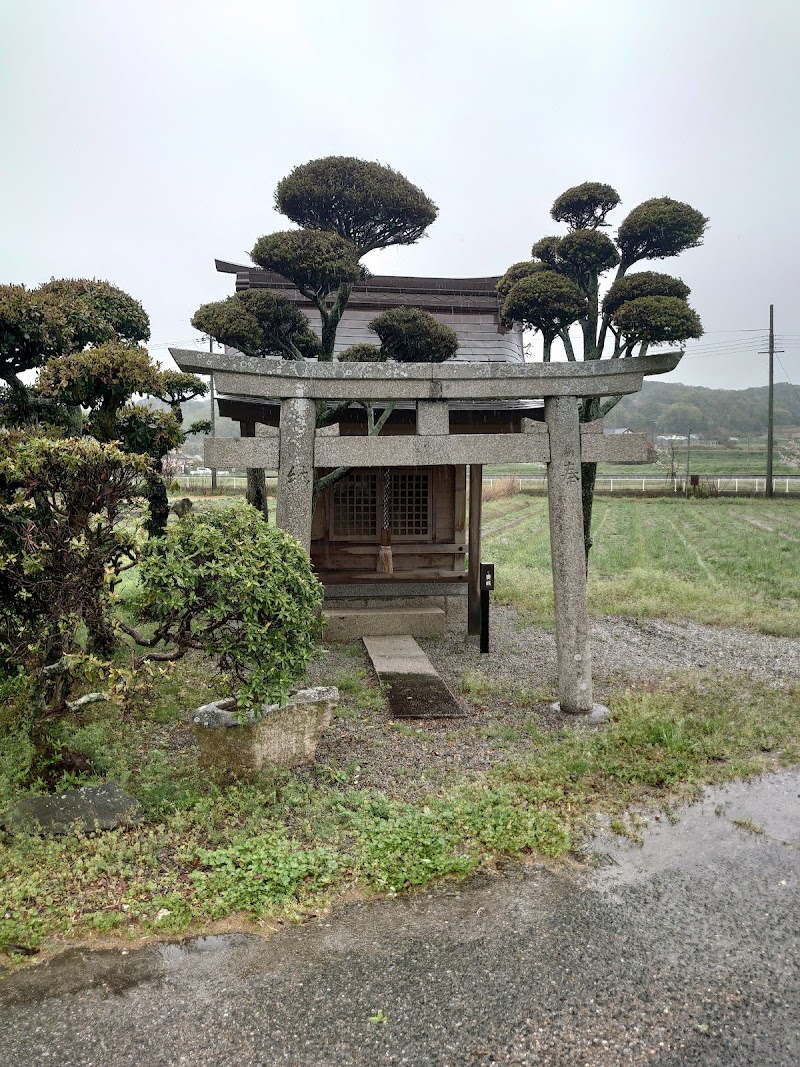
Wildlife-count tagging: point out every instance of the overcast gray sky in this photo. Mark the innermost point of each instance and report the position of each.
(142, 139)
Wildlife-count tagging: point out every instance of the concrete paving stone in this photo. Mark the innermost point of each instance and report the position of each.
(348, 624)
(398, 655)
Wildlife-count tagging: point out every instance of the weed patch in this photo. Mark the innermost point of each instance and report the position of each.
(254, 873)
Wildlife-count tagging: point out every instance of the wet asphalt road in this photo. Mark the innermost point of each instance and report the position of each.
(684, 951)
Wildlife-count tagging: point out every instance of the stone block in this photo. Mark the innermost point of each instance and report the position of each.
(399, 601)
(399, 654)
(238, 376)
(277, 735)
(93, 807)
(433, 450)
(534, 426)
(295, 507)
(456, 610)
(433, 417)
(625, 448)
(355, 590)
(348, 624)
(242, 452)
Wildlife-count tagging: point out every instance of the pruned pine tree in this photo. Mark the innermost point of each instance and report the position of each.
(559, 288)
(345, 208)
(103, 382)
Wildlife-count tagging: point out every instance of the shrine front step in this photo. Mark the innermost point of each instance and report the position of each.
(414, 689)
(349, 624)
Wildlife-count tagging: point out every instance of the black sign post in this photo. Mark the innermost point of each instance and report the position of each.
(487, 584)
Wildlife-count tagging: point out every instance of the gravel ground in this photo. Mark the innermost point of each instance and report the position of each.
(623, 650)
(506, 693)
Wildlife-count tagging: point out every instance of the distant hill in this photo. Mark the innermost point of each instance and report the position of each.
(194, 411)
(666, 407)
(660, 407)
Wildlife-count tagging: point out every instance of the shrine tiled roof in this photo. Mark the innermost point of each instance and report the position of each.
(469, 305)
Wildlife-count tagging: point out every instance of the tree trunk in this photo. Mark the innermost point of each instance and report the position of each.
(588, 478)
(158, 504)
(257, 490)
(330, 320)
(74, 420)
(590, 409)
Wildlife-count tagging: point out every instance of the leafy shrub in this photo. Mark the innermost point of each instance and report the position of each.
(362, 353)
(240, 590)
(413, 336)
(399, 846)
(62, 546)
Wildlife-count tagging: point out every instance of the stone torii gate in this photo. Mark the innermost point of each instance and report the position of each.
(560, 441)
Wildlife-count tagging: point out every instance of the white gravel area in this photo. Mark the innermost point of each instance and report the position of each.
(622, 648)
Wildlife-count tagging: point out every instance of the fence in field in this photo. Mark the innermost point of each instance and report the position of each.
(724, 484)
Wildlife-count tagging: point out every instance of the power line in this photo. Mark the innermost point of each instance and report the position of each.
(788, 379)
(175, 344)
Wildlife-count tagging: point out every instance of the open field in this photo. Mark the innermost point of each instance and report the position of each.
(722, 562)
(391, 806)
(743, 458)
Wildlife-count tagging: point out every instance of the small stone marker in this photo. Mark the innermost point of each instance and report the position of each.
(276, 735)
(93, 807)
(414, 688)
(181, 507)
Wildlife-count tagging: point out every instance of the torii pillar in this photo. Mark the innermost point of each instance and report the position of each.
(568, 555)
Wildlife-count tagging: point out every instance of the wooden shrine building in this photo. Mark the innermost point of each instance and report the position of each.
(424, 505)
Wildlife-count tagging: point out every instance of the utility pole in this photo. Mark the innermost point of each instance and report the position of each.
(770, 403)
(213, 415)
(771, 350)
(688, 448)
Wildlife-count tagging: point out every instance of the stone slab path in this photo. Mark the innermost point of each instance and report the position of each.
(414, 689)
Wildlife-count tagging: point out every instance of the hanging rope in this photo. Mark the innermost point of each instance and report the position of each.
(385, 563)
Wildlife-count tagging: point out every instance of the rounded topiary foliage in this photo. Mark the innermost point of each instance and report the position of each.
(315, 260)
(363, 352)
(546, 301)
(657, 320)
(585, 206)
(516, 272)
(643, 283)
(241, 591)
(660, 228)
(368, 204)
(585, 252)
(409, 335)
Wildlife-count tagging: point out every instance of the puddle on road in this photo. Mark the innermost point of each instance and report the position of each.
(728, 820)
(114, 972)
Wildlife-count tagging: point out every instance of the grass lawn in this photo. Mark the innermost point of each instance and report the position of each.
(216, 855)
(723, 562)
